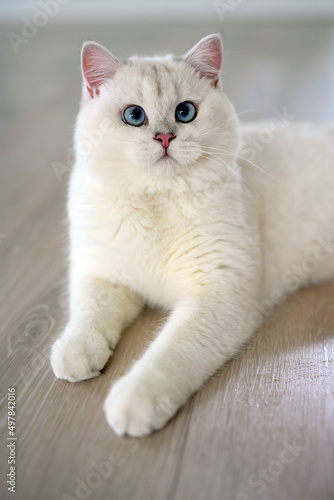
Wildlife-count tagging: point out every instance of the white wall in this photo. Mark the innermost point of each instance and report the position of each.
(168, 9)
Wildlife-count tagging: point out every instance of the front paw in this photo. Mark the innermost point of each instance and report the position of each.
(136, 408)
(79, 355)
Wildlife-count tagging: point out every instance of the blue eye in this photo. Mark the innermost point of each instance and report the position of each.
(185, 112)
(134, 115)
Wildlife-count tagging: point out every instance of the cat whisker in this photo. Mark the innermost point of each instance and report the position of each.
(138, 141)
(219, 161)
(224, 151)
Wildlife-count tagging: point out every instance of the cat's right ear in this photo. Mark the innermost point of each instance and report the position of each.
(206, 57)
(97, 65)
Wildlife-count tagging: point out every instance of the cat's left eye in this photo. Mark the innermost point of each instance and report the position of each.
(134, 115)
(185, 112)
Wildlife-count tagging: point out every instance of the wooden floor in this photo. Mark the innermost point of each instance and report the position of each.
(263, 427)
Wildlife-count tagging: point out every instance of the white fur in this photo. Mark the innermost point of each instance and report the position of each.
(209, 236)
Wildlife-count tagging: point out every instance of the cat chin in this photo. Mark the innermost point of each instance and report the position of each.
(162, 170)
(165, 168)
(169, 166)
(165, 165)
(173, 162)
(166, 160)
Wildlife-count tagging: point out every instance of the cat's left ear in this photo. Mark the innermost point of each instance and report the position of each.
(206, 57)
(97, 65)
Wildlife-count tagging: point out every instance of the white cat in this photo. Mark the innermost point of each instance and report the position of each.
(165, 210)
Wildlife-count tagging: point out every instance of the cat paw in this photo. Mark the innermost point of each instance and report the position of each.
(133, 408)
(80, 356)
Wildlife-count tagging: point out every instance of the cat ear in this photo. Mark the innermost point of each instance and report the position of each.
(97, 65)
(207, 57)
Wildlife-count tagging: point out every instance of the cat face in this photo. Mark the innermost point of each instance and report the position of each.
(163, 115)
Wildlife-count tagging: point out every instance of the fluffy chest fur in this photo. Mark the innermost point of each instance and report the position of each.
(166, 244)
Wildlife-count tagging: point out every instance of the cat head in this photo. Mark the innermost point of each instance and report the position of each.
(162, 115)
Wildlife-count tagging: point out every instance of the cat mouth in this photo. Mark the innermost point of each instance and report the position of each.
(166, 157)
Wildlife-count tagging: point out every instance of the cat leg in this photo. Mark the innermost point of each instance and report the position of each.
(196, 340)
(99, 311)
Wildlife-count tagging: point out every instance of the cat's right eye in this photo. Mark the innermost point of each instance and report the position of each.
(185, 112)
(134, 115)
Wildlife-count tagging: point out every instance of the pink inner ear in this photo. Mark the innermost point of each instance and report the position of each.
(215, 50)
(98, 65)
(207, 57)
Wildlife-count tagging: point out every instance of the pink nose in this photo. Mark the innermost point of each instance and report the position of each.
(164, 139)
